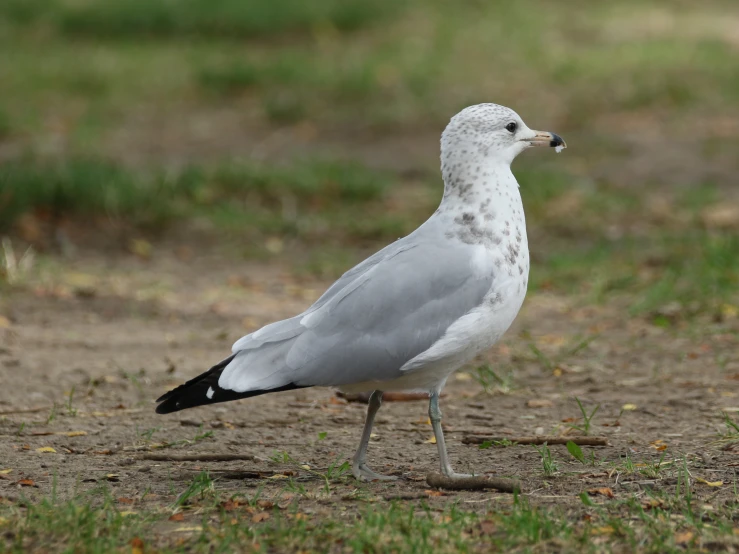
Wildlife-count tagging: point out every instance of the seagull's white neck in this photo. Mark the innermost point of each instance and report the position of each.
(482, 205)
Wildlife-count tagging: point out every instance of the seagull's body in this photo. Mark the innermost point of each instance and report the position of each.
(414, 312)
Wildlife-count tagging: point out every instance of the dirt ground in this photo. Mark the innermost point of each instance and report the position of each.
(116, 333)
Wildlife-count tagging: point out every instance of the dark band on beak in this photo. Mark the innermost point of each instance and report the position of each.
(556, 140)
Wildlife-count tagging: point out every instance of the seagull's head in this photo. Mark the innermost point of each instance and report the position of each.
(492, 131)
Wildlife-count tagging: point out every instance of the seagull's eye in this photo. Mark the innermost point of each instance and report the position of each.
(511, 127)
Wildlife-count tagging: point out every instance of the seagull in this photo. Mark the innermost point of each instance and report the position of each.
(410, 315)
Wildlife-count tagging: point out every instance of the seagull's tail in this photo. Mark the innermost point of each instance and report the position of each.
(204, 389)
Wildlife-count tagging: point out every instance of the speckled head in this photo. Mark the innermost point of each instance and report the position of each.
(491, 131)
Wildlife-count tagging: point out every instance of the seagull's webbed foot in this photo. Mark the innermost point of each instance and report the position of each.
(364, 473)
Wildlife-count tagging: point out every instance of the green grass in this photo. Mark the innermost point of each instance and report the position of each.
(311, 199)
(95, 522)
(157, 18)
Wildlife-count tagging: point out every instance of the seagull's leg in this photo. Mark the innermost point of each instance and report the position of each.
(359, 464)
(435, 417)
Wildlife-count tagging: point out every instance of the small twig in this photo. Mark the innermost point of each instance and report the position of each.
(583, 441)
(439, 481)
(197, 457)
(26, 410)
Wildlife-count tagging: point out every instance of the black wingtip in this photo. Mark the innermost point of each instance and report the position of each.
(204, 389)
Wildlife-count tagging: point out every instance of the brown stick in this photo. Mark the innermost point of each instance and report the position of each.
(583, 441)
(26, 410)
(196, 457)
(439, 481)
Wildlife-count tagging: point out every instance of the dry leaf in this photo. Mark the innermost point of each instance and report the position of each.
(629, 407)
(603, 491)
(432, 440)
(177, 517)
(430, 492)
(114, 477)
(709, 483)
(487, 527)
(265, 504)
(124, 500)
(261, 516)
(4, 322)
(684, 537)
(539, 403)
(5, 471)
(27, 483)
(137, 546)
(44, 449)
(75, 434)
(141, 248)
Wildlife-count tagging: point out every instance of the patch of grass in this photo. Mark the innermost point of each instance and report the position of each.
(492, 381)
(548, 463)
(660, 521)
(309, 200)
(88, 188)
(584, 427)
(197, 18)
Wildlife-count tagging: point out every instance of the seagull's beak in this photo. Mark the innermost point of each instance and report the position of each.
(545, 138)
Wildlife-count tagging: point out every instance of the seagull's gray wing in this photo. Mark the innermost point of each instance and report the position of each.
(378, 316)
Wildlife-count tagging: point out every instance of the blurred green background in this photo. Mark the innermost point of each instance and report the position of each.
(309, 131)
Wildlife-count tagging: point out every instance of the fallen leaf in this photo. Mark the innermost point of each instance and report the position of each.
(629, 407)
(721, 216)
(140, 247)
(432, 440)
(684, 537)
(463, 376)
(709, 483)
(5, 471)
(4, 322)
(114, 477)
(539, 403)
(27, 483)
(261, 516)
(603, 491)
(265, 504)
(124, 500)
(605, 530)
(128, 513)
(658, 445)
(44, 449)
(487, 527)
(177, 517)
(75, 434)
(431, 492)
(188, 529)
(137, 546)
